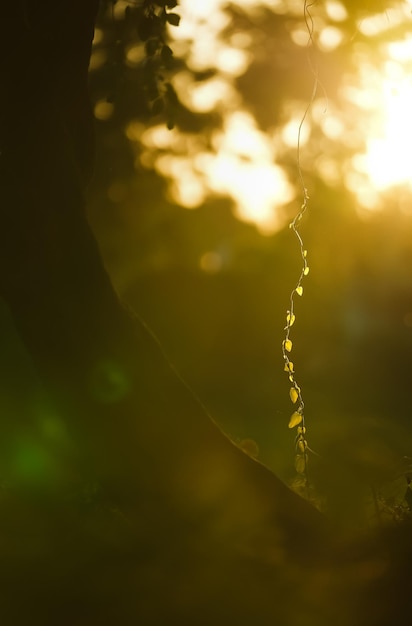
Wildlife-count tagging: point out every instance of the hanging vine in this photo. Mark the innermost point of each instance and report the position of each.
(297, 419)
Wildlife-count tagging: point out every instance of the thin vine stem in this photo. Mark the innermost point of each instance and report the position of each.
(298, 417)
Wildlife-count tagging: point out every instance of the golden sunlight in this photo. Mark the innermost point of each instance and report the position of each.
(388, 158)
(240, 161)
(361, 139)
(383, 97)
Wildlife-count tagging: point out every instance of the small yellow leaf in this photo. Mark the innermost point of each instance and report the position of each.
(306, 271)
(293, 394)
(287, 344)
(295, 419)
(299, 290)
(288, 366)
(305, 253)
(290, 319)
(301, 430)
(291, 378)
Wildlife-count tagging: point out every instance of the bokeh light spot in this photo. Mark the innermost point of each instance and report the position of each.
(103, 110)
(211, 262)
(336, 10)
(330, 38)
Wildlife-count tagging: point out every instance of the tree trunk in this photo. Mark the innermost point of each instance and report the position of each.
(194, 530)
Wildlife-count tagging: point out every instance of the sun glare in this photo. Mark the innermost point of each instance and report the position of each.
(388, 159)
(385, 96)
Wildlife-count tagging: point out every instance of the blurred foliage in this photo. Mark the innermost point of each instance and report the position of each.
(213, 279)
(225, 286)
(211, 285)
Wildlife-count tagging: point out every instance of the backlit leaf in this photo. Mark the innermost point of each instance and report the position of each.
(299, 290)
(306, 271)
(290, 319)
(287, 344)
(293, 394)
(295, 419)
(288, 366)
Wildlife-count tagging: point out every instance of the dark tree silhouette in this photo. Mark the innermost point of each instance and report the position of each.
(187, 528)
